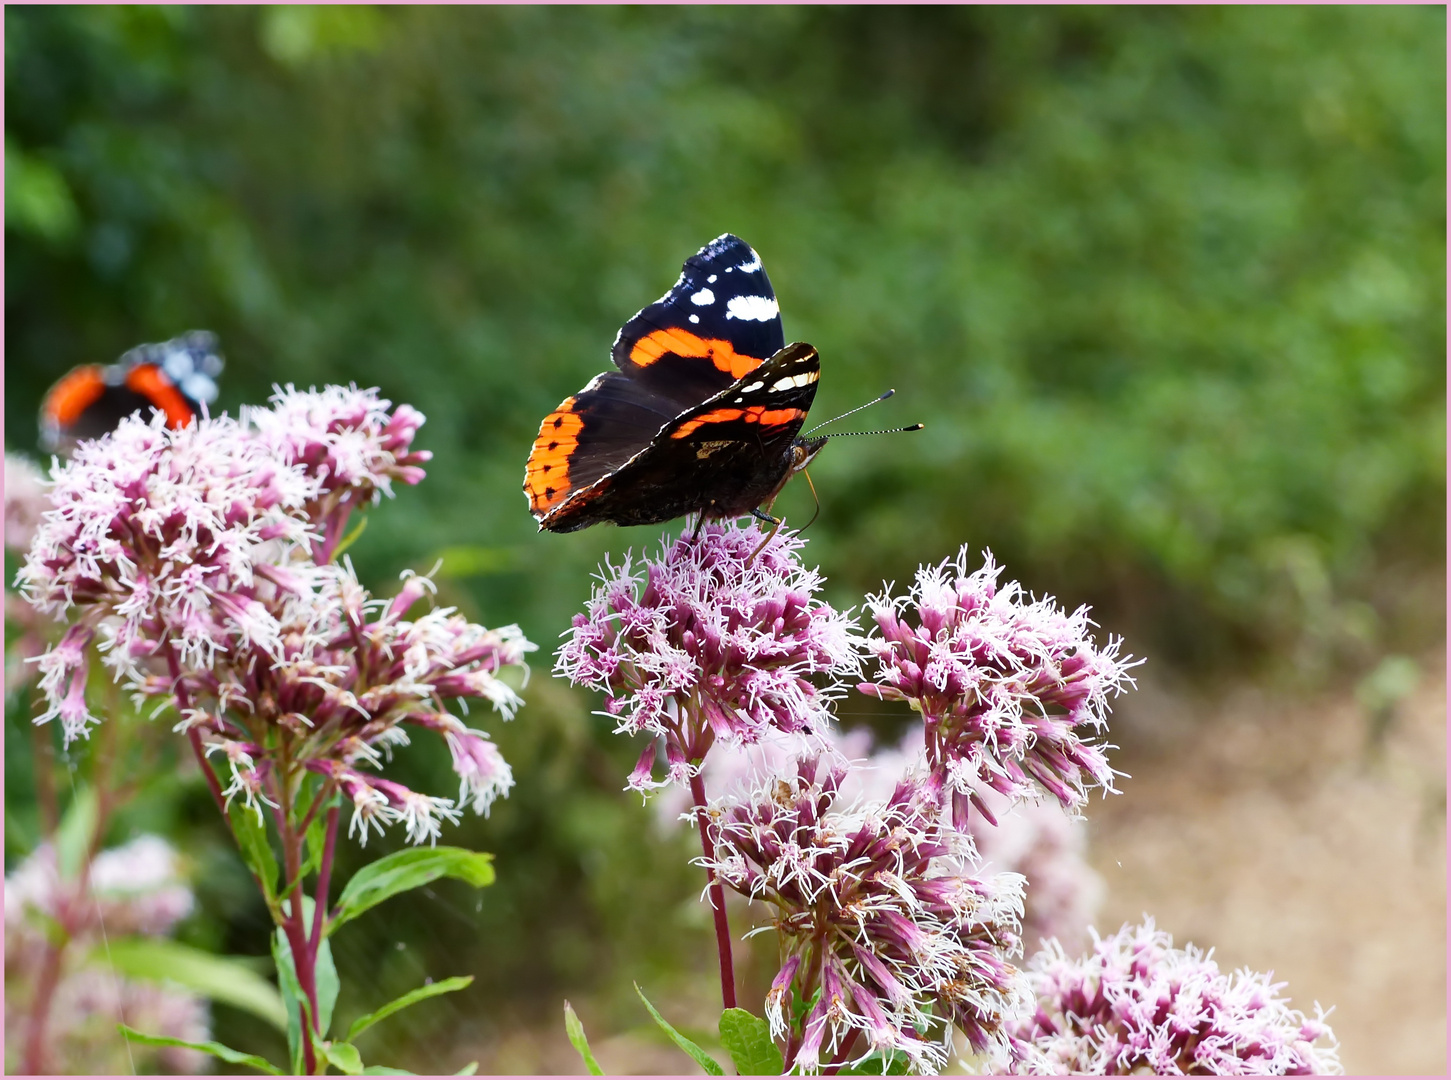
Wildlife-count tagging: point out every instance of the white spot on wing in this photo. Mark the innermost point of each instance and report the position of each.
(752, 266)
(711, 279)
(756, 308)
(753, 387)
(790, 382)
(695, 318)
(700, 299)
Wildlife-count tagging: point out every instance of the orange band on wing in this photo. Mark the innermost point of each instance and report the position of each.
(546, 476)
(753, 414)
(147, 380)
(73, 395)
(721, 353)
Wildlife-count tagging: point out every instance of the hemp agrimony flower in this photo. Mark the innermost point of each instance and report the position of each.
(1137, 1004)
(1003, 683)
(200, 560)
(879, 913)
(706, 643)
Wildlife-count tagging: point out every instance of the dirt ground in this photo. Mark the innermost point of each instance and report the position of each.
(1265, 826)
(1271, 831)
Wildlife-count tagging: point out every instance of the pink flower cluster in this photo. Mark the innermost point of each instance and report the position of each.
(1003, 683)
(133, 889)
(877, 907)
(200, 563)
(1036, 839)
(709, 643)
(1137, 1004)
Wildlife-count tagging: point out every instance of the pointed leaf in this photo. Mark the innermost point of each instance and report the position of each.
(894, 1063)
(216, 1049)
(704, 1060)
(344, 1057)
(443, 986)
(408, 869)
(575, 1031)
(77, 830)
(292, 997)
(256, 849)
(469, 1069)
(383, 1070)
(747, 1038)
(220, 978)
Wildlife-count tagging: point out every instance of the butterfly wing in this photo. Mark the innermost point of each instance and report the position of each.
(718, 322)
(724, 457)
(175, 376)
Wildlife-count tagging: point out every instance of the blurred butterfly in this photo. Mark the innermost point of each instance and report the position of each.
(176, 377)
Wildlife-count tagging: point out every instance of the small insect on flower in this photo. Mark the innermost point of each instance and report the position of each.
(1003, 683)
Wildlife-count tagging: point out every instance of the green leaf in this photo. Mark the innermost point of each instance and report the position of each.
(328, 985)
(345, 1057)
(256, 849)
(383, 1070)
(747, 1038)
(443, 986)
(404, 870)
(894, 1063)
(704, 1060)
(216, 1049)
(325, 975)
(220, 978)
(469, 1069)
(292, 996)
(575, 1030)
(77, 830)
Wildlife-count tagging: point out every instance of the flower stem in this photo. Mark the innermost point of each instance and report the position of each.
(324, 874)
(717, 897)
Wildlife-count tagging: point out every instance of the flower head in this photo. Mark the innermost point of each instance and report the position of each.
(200, 562)
(707, 642)
(1137, 1004)
(1004, 684)
(878, 909)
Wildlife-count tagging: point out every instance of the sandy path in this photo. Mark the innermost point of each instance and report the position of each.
(1265, 829)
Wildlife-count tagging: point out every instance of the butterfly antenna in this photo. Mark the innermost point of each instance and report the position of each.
(844, 415)
(883, 431)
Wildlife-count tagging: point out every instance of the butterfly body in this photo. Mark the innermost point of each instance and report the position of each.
(703, 415)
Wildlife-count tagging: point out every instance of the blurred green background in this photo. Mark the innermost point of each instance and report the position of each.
(1165, 285)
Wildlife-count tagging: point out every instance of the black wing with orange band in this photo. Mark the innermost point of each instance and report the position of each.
(175, 377)
(723, 458)
(717, 323)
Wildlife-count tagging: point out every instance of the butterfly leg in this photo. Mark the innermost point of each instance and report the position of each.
(774, 522)
(699, 524)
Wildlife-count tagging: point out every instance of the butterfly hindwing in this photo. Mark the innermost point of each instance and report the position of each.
(724, 457)
(718, 322)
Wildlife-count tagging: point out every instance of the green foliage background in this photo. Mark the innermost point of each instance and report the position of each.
(1166, 286)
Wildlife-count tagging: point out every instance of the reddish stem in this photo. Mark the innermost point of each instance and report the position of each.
(324, 874)
(841, 1055)
(717, 897)
(34, 1061)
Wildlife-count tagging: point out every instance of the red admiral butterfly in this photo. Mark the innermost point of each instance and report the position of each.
(702, 415)
(176, 377)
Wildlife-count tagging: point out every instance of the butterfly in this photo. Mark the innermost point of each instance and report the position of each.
(702, 416)
(176, 377)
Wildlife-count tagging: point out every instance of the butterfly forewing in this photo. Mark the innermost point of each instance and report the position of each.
(719, 321)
